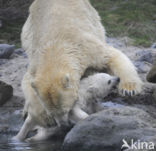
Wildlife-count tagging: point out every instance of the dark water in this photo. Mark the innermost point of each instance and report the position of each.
(6, 144)
(10, 123)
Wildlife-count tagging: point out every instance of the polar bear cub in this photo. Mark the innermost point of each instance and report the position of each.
(91, 88)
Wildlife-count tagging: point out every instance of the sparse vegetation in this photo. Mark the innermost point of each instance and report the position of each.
(135, 19)
(10, 33)
(12, 15)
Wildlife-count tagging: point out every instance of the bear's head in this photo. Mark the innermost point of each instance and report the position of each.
(56, 93)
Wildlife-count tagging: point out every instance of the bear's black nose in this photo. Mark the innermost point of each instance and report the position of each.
(118, 79)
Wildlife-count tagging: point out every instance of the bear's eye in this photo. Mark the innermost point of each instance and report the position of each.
(109, 82)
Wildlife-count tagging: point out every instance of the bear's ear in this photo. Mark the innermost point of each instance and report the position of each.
(66, 81)
(33, 85)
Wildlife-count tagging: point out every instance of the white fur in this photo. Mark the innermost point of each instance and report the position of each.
(75, 28)
(62, 39)
(91, 88)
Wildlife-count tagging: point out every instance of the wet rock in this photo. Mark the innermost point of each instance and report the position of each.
(6, 51)
(151, 77)
(106, 130)
(6, 92)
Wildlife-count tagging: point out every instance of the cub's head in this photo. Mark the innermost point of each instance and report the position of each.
(110, 82)
(56, 93)
(102, 84)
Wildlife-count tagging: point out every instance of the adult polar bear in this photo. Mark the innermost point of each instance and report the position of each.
(62, 39)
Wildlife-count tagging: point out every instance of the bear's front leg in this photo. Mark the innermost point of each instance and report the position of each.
(122, 67)
(27, 126)
(43, 134)
(103, 55)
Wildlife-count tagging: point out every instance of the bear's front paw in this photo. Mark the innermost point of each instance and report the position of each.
(31, 139)
(16, 139)
(130, 88)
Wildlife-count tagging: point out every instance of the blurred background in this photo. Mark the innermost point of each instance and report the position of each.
(135, 19)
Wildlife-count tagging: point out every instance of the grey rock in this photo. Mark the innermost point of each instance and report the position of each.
(6, 51)
(145, 56)
(15, 121)
(154, 95)
(6, 92)
(146, 98)
(151, 76)
(11, 120)
(153, 45)
(1, 24)
(20, 52)
(3, 61)
(111, 42)
(141, 66)
(104, 131)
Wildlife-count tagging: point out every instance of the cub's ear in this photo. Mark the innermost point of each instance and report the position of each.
(92, 90)
(66, 81)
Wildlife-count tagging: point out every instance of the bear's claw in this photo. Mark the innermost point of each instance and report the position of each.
(129, 88)
(128, 93)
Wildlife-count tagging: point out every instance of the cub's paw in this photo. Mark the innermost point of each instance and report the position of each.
(130, 88)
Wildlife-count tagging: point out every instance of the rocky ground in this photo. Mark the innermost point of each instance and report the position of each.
(122, 118)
